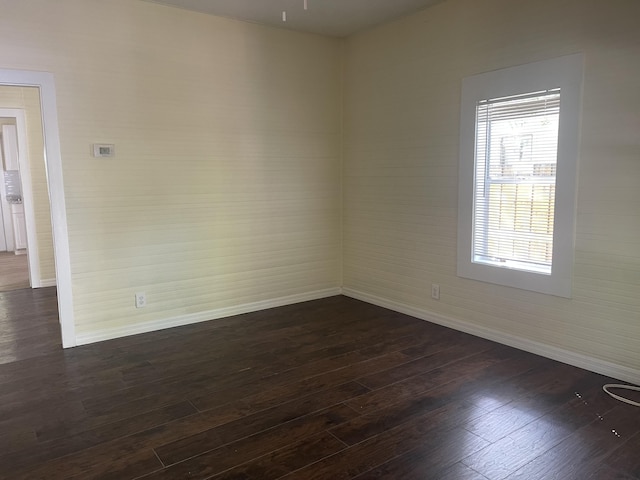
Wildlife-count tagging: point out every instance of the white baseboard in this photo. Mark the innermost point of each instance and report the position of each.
(592, 364)
(135, 329)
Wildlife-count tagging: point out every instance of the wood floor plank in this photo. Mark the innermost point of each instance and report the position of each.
(436, 453)
(255, 446)
(249, 424)
(587, 448)
(204, 389)
(491, 395)
(270, 392)
(395, 410)
(466, 368)
(432, 356)
(11, 442)
(603, 472)
(308, 371)
(459, 471)
(410, 410)
(522, 446)
(386, 446)
(286, 460)
(59, 448)
(627, 456)
(131, 466)
(534, 404)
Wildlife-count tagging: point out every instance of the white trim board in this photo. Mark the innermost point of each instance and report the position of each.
(592, 364)
(566, 74)
(138, 328)
(45, 82)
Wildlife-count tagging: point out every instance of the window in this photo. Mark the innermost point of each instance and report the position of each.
(515, 181)
(518, 157)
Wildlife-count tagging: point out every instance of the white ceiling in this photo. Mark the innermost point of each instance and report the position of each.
(338, 18)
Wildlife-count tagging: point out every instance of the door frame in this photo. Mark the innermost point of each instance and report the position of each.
(33, 256)
(44, 81)
(5, 217)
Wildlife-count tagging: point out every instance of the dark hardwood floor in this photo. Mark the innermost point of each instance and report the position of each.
(330, 389)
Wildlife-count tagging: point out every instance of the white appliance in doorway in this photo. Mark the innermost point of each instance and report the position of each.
(6, 222)
(11, 207)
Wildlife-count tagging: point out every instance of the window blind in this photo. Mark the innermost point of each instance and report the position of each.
(515, 180)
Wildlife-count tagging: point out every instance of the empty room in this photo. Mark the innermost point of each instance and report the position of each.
(320, 239)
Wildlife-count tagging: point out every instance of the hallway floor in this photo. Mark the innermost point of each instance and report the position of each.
(14, 272)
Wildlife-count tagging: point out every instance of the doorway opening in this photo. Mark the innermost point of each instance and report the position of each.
(60, 264)
(14, 269)
(25, 226)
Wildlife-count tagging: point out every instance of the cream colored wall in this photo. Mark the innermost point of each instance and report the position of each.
(225, 187)
(28, 99)
(402, 89)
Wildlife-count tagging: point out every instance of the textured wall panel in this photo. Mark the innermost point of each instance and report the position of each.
(402, 91)
(225, 187)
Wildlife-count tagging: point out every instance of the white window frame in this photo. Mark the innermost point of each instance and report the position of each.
(565, 73)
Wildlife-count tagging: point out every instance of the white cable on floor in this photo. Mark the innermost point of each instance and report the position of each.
(623, 387)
